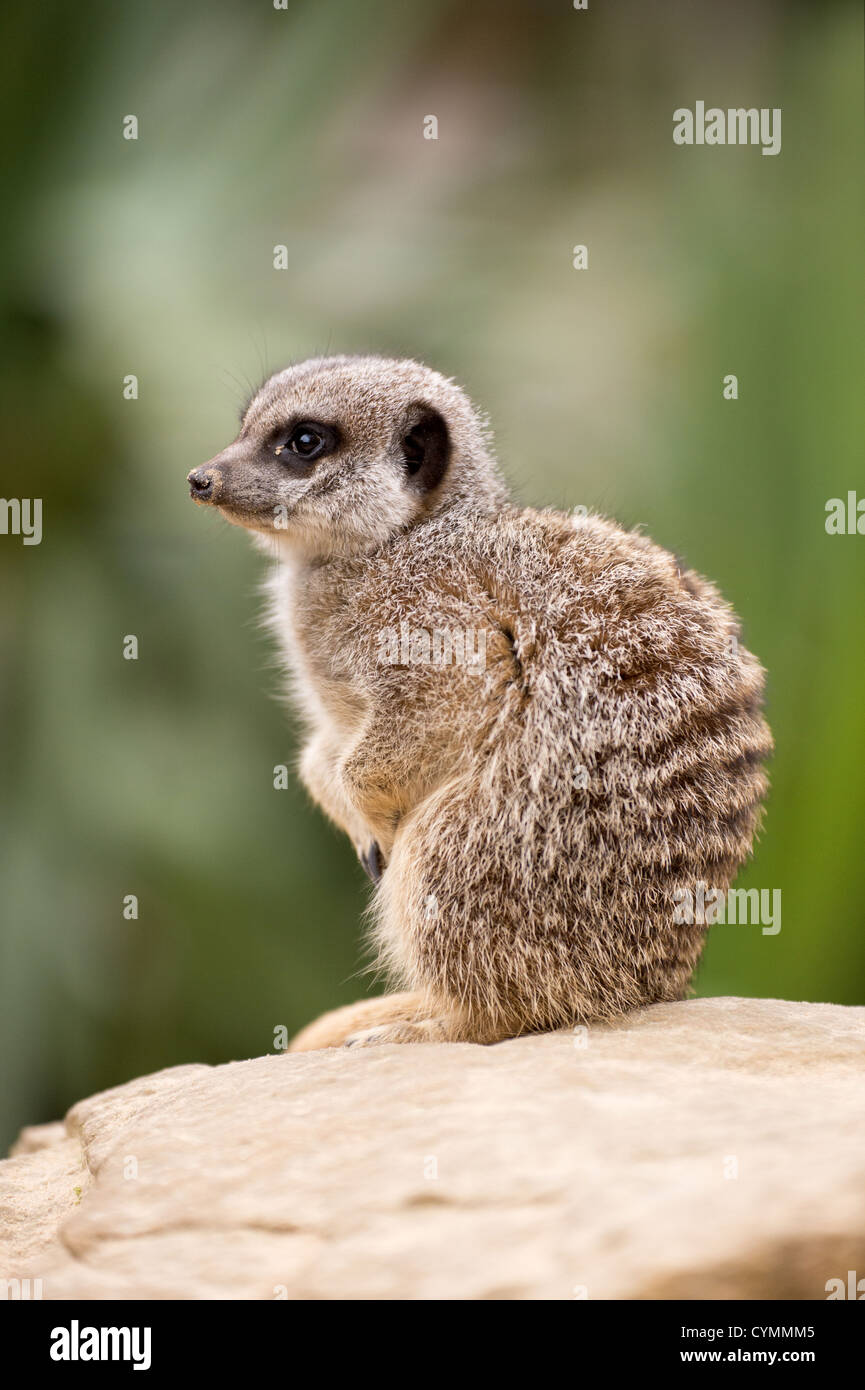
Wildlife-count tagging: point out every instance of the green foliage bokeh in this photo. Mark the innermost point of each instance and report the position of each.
(305, 127)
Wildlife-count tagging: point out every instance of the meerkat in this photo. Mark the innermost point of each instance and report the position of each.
(527, 815)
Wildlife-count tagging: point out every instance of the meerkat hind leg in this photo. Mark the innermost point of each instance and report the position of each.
(367, 1021)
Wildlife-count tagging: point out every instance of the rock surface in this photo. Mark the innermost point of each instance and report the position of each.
(712, 1148)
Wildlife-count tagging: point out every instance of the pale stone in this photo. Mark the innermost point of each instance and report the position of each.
(712, 1148)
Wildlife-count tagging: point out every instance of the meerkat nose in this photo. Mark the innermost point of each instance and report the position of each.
(201, 484)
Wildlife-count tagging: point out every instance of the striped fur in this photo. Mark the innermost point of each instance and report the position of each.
(536, 817)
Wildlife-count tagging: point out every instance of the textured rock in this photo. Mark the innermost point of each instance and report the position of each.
(704, 1149)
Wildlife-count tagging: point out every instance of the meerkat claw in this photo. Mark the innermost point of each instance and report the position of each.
(372, 862)
(367, 1037)
(406, 1031)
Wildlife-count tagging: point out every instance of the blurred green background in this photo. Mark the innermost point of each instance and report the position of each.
(155, 257)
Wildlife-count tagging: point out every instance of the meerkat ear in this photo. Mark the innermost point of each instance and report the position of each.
(425, 447)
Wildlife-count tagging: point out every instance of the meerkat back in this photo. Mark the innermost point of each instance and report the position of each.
(612, 759)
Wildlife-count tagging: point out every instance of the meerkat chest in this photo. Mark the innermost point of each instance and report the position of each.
(318, 637)
(403, 627)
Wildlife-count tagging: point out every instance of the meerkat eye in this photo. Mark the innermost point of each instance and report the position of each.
(308, 441)
(305, 441)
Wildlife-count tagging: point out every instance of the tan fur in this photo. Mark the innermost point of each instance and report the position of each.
(535, 817)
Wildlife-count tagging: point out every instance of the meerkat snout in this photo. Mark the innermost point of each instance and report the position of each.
(202, 484)
(541, 733)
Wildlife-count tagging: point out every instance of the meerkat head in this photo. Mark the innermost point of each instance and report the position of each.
(338, 454)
